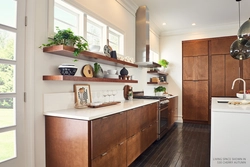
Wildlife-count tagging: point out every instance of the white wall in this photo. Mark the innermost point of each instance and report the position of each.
(171, 50)
(111, 13)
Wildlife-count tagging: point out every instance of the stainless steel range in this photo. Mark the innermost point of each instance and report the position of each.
(162, 113)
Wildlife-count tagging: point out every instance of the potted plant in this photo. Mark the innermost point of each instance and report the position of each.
(164, 64)
(98, 72)
(67, 37)
(159, 90)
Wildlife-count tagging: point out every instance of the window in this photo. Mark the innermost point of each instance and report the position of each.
(66, 16)
(97, 33)
(116, 41)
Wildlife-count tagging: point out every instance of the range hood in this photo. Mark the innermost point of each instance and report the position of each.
(142, 56)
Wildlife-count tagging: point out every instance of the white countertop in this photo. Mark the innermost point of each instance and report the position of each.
(94, 113)
(230, 108)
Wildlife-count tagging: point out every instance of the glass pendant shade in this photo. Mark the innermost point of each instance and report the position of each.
(239, 51)
(244, 32)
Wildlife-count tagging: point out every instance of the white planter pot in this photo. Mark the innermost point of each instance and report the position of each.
(158, 93)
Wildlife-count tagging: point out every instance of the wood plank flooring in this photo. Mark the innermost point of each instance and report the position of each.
(186, 145)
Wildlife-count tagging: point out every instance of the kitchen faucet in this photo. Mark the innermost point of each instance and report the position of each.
(244, 89)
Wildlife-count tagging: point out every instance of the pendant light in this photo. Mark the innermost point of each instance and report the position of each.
(244, 31)
(238, 49)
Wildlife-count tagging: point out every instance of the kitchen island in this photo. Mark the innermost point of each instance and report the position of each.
(230, 137)
(95, 137)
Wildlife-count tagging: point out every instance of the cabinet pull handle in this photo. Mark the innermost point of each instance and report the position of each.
(104, 117)
(121, 143)
(104, 154)
(121, 112)
(150, 125)
(143, 129)
(133, 135)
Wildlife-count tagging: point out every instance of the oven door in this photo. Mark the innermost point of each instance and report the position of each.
(163, 117)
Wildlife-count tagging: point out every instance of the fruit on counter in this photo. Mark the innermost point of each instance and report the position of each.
(247, 91)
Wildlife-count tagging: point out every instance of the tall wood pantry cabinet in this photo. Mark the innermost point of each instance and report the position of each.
(195, 80)
(208, 71)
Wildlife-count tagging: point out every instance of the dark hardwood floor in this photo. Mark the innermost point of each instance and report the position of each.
(186, 145)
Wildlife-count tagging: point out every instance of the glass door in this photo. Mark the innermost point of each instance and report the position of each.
(12, 44)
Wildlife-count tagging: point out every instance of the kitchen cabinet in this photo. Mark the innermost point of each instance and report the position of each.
(142, 132)
(246, 73)
(224, 68)
(67, 51)
(111, 130)
(229, 144)
(195, 104)
(114, 140)
(116, 156)
(172, 111)
(195, 75)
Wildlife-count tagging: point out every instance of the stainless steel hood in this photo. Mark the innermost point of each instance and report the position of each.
(142, 56)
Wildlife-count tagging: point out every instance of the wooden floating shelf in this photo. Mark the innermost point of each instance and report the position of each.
(157, 72)
(80, 78)
(67, 51)
(158, 83)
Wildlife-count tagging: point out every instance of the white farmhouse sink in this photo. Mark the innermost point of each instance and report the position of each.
(240, 95)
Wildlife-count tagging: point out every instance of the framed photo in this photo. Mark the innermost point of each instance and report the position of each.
(82, 94)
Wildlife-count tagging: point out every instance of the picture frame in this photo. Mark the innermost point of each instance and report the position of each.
(82, 94)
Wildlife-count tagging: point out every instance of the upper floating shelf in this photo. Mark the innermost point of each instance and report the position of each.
(157, 72)
(67, 51)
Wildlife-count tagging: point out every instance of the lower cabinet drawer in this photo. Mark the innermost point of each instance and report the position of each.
(148, 135)
(133, 147)
(115, 157)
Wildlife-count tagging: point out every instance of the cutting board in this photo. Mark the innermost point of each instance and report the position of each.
(87, 71)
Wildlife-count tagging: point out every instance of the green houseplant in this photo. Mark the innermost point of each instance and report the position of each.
(67, 37)
(163, 62)
(159, 90)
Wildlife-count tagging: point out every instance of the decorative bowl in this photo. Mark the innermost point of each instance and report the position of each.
(67, 69)
(112, 72)
(94, 48)
(240, 95)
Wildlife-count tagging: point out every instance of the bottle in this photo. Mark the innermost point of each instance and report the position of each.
(130, 93)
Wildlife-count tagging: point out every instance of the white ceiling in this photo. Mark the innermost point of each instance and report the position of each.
(180, 14)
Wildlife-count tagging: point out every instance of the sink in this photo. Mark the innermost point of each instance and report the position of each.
(240, 95)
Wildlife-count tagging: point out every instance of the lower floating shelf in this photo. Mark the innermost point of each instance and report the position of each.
(158, 83)
(80, 78)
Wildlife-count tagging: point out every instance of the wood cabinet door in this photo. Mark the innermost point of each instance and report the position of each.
(133, 121)
(67, 142)
(107, 132)
(112, 158)
(195, 100)
(148, 115)
(133, 147)
(217, 75)
(188, 68)
(224, 69)
(189, 100)
(201, 68)
(195, 47)
(201, 100)
(246, 73)
(148, 136)
(195, 68)
(221, 45)
(232, 72)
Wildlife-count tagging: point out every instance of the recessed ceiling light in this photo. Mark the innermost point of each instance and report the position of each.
(164, 24)
(193, 24)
